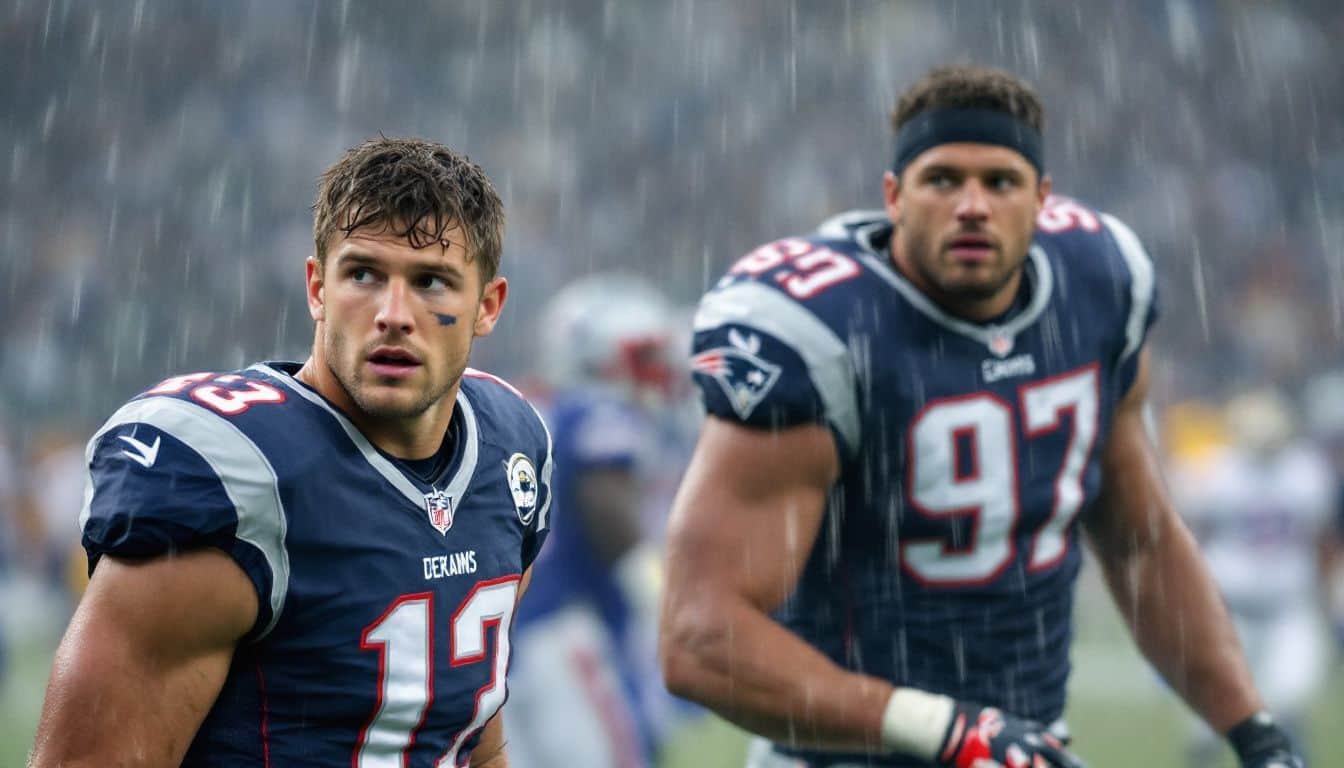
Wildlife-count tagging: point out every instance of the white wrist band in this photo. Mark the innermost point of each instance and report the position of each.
(915, 722)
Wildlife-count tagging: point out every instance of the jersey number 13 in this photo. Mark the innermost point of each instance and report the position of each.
(404, 639)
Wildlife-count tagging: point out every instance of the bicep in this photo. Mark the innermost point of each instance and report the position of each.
(748, 511)
(144, 658)
(1134, 504)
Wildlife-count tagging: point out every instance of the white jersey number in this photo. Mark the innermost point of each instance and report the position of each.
(982, 425)
(404, 638)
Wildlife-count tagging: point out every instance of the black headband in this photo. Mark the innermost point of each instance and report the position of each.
(979, 126)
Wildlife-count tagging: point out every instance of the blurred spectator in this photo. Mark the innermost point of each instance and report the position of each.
(1324, 399)
(8, 520)
(1259, 506)
(154, 157)
(53, 495)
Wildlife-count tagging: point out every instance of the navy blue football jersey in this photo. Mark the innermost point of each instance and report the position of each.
(385, 601)
(948, 552)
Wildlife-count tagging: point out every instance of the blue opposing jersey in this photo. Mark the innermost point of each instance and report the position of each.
(948, 551)
(593, 429)
(386, 602)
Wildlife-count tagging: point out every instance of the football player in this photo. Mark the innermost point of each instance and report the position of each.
(585, 689)
(916, 415)
(1324, 400)
(317, 563)
(1265, 497)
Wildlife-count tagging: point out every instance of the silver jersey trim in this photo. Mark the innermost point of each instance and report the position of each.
(827, 357)
(457, 485)
(1141, 282)
(243, 470)
(1042, 291)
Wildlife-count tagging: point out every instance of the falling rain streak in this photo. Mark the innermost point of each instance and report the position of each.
(161, 160)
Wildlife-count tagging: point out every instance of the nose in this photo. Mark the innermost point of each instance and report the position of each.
(394, 311)
(973, 203)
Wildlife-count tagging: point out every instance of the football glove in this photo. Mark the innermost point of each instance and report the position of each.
(984, 737)
(1261, 743)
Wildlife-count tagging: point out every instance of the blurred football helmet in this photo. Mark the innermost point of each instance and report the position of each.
(608, 329)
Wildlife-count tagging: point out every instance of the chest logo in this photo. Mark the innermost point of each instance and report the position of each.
(439, 505)
(522, 486)
(1000, 342)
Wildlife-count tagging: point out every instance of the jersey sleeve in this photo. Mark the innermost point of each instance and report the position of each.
(766, 361)
(166, 476)
(1141, 301)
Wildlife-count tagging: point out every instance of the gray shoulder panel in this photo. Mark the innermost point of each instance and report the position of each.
(246, 475)
(827, 357)
(1141, 281)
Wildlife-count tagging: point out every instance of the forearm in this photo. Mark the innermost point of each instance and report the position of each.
(759, 675)
(1179, 622)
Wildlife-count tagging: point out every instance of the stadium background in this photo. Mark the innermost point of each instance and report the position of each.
(159, 160)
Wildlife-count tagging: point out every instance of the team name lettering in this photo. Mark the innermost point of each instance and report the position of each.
(993, 370)
(439, 566)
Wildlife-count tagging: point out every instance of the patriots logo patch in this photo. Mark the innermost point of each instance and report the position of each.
(745, 378)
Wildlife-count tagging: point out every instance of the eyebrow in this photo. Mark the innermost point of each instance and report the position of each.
(368, 259)
(963, 171)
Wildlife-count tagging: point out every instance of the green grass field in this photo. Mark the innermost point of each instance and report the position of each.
(1121, 716)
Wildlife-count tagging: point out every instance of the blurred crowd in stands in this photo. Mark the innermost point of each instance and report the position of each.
(161, 159)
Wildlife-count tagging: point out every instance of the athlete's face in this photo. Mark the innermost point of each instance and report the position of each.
(965, 215)
(395, 323)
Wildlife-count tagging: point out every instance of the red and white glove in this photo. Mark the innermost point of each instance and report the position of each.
(956, 734)
(984, 737)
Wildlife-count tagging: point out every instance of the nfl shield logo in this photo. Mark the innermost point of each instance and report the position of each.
(1000, 343)
(439, 505)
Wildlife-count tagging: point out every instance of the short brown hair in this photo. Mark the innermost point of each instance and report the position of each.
(970, 87)
(416, 189)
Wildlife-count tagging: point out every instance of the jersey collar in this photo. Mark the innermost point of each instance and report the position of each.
(997, 337)
(458, 479)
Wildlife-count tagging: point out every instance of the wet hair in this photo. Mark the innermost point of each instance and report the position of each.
(970, 87)
(412, 188)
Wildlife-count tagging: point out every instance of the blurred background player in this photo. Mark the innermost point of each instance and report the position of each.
(8, 518)
(584, 688)
(1324, 404)
(1258, 498)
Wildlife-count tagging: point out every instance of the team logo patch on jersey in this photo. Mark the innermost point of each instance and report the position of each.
(745, 378)
(523, 485)
(439, 505)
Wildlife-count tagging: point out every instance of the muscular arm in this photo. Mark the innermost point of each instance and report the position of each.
(741, 529)
(1157, 576)
(143, 659)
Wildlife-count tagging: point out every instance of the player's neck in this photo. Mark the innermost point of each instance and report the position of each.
(417, 437)
(976, 310)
